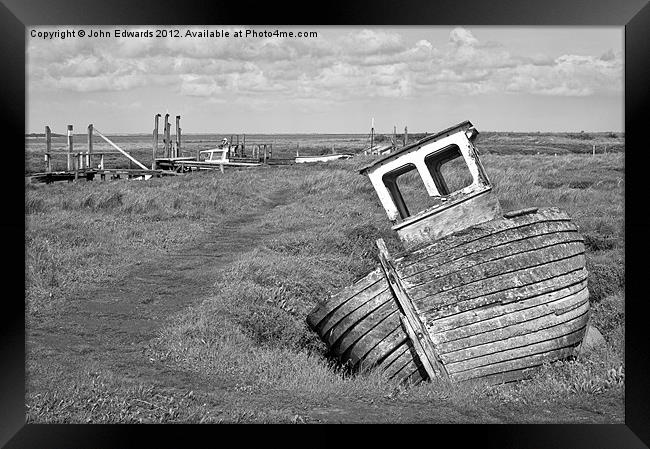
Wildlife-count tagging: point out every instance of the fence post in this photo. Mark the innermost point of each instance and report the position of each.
(155, 142)
(89, 160)
(593, 150)
(166, 135)
(48, 148)
(178, 136)
(406, 135)
(69, 147)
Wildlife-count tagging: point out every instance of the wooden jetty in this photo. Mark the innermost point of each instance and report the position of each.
(476, 293)
(80, 164)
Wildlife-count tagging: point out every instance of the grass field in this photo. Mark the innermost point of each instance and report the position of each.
(246, 254)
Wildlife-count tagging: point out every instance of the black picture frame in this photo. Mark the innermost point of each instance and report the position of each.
(18, 15)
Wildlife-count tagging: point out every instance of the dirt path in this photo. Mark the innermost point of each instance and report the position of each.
(114, 323)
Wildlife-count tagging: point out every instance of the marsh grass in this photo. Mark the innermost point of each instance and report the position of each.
(250, 333)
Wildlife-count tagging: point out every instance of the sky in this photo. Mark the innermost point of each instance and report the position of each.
(426, 78)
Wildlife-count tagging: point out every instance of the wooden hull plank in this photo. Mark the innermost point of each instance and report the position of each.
(518, 357)
(486, 244)
(529, 296)
(501, 340)
(500, 327)
(372, 338)
(478, 232)
(385, 347)
(559, 351)
(502, 288)
(348, 293)
(505, 267)
(475, 261)
(336, 326)
(345, 343)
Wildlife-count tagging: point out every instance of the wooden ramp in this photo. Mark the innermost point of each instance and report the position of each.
(495, 301)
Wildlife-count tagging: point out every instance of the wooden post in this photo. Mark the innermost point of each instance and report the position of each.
(243, 145)
(166, 135)
(372, 135)
(89, 160)
(406, 136)
(48, 148)
(415, 329)
(178, 136)
(266, 153)
(394, 135)
(297, 149)
(155, 142)
(593, 150)
(69, 147)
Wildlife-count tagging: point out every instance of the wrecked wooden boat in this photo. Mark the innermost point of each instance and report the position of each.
(476, 293)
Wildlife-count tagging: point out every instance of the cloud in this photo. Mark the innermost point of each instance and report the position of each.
(333, 67)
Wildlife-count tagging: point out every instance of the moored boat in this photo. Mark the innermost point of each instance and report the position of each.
(476, 293)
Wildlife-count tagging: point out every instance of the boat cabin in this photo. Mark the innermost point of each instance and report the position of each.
(434, 186)
(215, 155)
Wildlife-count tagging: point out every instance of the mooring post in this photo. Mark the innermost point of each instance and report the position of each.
(69, 147)
(89, 160)
(406, 135)
(155, 142)
(166, 135)
(48, 148)
(178, 136)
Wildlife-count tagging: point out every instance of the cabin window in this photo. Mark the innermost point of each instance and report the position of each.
(449, 170)
(408, 192)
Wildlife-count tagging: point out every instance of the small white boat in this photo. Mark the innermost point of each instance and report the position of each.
(323, 158)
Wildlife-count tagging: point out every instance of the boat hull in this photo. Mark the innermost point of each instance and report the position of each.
(497, 300)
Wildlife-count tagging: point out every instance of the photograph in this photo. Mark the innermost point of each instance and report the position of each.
(325, 224)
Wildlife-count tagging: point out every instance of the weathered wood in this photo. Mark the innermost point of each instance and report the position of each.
(373, 336)
(70, 144)
(473, 260)
(414, 327)
(48, 149)
(479, 206)
(477, 232)
(345, 344)
(406, 136)
(517, 213)
(511, 336)
(89, 160)
(154, 144)
(506, 268)
(478, 320)
(503, 288)
(166, 136)
(380, 352)
(178, 135)
(346, 317)
(404, 357)
(406, 268)
(348, 293)
(119, 149)
(528, 345)
(395, 354)
(548, 351)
